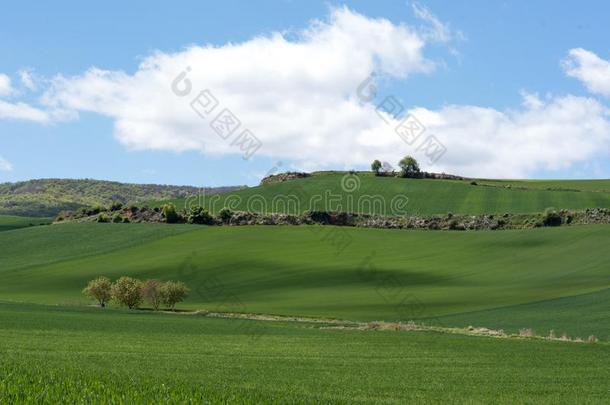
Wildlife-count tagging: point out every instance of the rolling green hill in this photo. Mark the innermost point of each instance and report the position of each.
(364, 193)
(47, 197)
(9, 222)
(357, 274)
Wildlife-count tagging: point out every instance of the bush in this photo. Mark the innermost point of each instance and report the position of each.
(173, 292)
(170, 214)
(225, 215)
(117, 218)
(127, 291)
(100, 290)
(102, 217)
(198, 215)
(115, 206)
(152, 293)
(551, 217)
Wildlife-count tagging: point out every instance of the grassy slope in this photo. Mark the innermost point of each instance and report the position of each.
(580, 315)
(9, 222)
(424, 196)
(88, 355)
(379, 274)
(582, 185)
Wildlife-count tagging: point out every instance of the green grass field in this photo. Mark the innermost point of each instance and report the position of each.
(386, 195)
(581, 185)
(55, 347)
(329, 272)
(80, 355)
(9, 222)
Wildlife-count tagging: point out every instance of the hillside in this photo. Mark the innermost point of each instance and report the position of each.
(9, 222)
(47, 197)
(356, 274)
(365, 193)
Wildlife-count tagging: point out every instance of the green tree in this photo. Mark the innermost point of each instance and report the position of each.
(99, 289)
(225, 215)
(169, 213)
(409, 167)
(199, 215)
(173, 292)
(152, 293)
(376, 167)
(127, 291)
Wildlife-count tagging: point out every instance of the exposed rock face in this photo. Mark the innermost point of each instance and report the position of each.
(278, 178)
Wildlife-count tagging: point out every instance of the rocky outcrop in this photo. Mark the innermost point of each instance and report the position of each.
(434, 222)
(281, 177)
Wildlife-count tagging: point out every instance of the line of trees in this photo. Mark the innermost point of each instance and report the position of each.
(131, 292)
(408, 167)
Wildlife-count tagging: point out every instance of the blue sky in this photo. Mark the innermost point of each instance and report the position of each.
(487, 57)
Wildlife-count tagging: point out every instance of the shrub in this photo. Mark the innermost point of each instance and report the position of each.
(473, 183)
(99, 289)
(169, 213)
(115, 206)
(117, 218)
(550, 217)
(127, 291)
(94, 210)
(198, 215)
(152, 293)
(526, 333)
(173, 292)
(225, 215)
(126, 220)
(102, 217)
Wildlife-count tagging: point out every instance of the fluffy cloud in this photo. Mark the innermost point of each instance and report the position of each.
(27, 79)
(5, 85)
(22, 111)
(590, 69)
(549, 134)
(5, 165)
(19, 110)
(303, 99)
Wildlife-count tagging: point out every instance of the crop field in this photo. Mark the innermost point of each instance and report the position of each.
(326, 272)
(293, 286)
(580, 185)
(83, 355)
(9, 222)
(397, 196)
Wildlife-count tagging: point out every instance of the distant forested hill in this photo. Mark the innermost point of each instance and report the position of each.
(47, 197)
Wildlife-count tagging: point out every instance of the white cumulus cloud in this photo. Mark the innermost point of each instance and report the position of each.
(6, 88)
(590, 69)
(22, 111)
(300, 98)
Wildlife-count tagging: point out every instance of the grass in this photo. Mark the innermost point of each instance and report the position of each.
(580, 185)
(423, 197)
(578, 316)
(79, 355)
(10, 222)
(348, 273)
